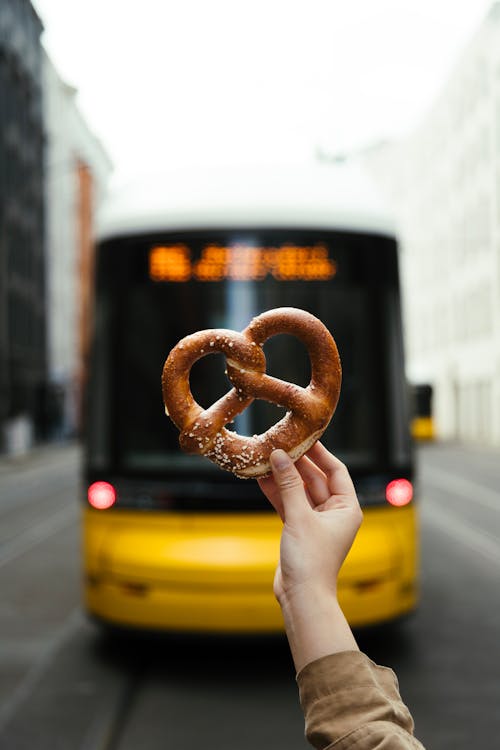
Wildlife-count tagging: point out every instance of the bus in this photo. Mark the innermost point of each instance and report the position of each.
(170, 541)
(422, 423)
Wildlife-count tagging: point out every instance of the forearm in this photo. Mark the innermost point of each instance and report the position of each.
(315, 627)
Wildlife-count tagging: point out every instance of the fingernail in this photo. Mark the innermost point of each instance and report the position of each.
(280, 460)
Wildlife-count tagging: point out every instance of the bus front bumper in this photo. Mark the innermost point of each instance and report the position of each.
(214, 573)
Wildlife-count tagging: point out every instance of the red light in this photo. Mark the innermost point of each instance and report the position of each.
(101, 495)
(399, 492)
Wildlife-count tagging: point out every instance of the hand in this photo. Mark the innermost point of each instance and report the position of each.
(317, 503)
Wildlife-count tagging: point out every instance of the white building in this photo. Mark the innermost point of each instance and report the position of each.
(77, 170)
(444, 182)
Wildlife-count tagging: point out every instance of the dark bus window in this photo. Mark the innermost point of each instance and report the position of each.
(149, 318)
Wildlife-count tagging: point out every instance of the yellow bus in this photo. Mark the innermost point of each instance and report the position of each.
(170, 541)
(422, 423)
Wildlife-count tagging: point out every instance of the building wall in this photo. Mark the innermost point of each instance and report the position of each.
(444, 181)
(77, 170)
(86, 272)
(22, 261)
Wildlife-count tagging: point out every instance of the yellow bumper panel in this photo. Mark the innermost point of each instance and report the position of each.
(215, 572)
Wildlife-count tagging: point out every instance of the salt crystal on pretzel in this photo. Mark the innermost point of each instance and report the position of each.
(309, 410)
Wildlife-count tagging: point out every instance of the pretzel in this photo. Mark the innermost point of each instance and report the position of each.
(309, 410)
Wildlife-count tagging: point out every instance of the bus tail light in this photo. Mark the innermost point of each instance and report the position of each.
(399, 492)
(101, 495)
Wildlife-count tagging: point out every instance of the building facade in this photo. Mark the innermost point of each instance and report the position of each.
(53, 173)
(22, 255)
(76, 174)
(444, 183)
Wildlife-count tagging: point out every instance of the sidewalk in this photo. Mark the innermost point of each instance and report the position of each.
(39, 455)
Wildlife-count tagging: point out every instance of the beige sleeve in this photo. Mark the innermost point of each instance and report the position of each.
(350, 702)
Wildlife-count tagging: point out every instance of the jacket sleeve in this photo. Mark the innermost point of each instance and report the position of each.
(350, 702)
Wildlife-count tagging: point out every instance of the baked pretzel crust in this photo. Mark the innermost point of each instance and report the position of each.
(309, 410)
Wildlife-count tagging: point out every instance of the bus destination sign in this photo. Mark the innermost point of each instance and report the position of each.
(240, 262)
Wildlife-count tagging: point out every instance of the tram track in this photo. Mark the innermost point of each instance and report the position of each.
(38, 504)
(471, 537)
(37, 533)
(37, 501)
(109, 726)
(82, 687)
(467, 511)
(18, 497)
(463, 488)
(34, 675)
(26, 484)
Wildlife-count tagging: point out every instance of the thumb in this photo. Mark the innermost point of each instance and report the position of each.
(289, 483)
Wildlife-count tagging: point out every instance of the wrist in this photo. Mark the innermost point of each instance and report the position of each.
(307, 598)
(315, 625)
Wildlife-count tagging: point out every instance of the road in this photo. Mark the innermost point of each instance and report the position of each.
(64, 685)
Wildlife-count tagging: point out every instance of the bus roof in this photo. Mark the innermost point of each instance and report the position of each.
(315, 197)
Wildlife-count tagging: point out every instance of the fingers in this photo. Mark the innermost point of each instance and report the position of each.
(290, 485)
(272, 492)
(338, 478)
(315, 481)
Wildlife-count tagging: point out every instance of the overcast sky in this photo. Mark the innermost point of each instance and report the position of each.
(223, 81)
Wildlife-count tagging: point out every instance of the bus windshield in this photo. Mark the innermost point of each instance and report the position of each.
(152, 291)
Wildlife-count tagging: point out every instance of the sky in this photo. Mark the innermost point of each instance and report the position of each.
(164, 83)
